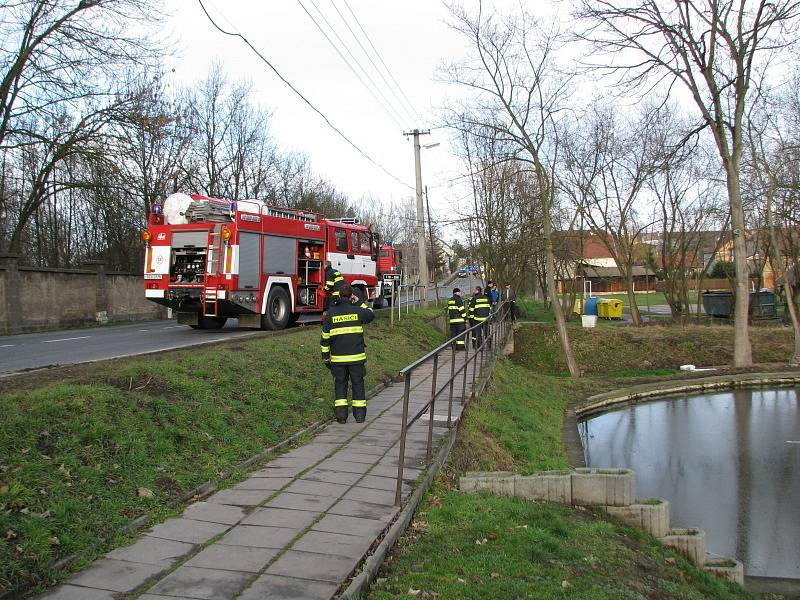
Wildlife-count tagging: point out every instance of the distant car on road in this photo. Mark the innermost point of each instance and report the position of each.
(462, 273)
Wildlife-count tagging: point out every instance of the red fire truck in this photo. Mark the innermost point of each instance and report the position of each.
(389, 272)
(210, 259)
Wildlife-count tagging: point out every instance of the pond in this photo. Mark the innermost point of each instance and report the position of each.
(728, 462)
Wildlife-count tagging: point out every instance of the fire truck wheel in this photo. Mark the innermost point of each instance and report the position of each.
(279, 309)
(377, 303)
(209, 323)
(293, 318)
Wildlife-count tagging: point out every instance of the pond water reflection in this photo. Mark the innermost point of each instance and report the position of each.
(726, 463)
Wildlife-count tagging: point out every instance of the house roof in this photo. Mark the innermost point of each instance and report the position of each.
(612, 272)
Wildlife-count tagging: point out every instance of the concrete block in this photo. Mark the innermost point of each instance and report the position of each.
(653, 518)
(115, 575)
(599, 487)
(152, 551)
(208, 584)
(277, 587)
(187, 530)
(689, 541)
(317, 567)
(728, 569)
(500, 483)
(233, 558)
(547, 486)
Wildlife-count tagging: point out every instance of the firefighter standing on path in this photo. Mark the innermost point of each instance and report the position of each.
(334, 281)
(343, 351)
(479, 309)
(457, 317)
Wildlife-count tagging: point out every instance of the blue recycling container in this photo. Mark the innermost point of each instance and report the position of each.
(590, 306)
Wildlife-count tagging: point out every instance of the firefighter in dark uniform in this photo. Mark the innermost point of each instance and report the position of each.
(343, 351)
(457, 317)
(333, 284)
(479, 308)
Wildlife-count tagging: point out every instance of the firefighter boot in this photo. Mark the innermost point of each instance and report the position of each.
(360, 413)
(340, 412)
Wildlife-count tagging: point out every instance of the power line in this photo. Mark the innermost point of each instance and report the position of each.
(378, 54)
(389, 87)
(302, 97)
(384, 104)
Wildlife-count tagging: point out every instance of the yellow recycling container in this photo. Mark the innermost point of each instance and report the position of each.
(614, 308)
(602, 308)
(577, 308)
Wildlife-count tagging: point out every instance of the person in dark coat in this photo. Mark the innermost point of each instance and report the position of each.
(334, 281)
(457, 317)
(479, 309)
(344, 351)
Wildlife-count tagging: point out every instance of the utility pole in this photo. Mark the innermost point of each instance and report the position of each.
(421, 249)
(433, 245)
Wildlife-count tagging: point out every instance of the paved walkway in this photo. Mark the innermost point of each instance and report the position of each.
(295, 529)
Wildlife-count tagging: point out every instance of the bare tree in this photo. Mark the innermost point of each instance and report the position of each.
(519, 93)
(715, 49)
(608, 162)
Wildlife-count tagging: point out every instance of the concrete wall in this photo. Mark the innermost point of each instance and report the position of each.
(32, 299)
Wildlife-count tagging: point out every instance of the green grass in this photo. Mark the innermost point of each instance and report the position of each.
(77, 444)
(490, 547)
(654, 349)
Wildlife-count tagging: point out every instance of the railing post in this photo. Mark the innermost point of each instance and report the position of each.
(466, 370)
(398, 495)
(431, 408)
(475, 366)
(452, 385)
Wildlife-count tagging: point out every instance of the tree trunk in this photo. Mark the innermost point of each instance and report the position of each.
(558, 313)
(637, 318)
(778, 271)
(742, 351)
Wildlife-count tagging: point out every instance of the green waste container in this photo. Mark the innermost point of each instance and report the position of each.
(602, 308)
(614, 308)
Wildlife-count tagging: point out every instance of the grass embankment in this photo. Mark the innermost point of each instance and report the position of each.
(77, 444)
(488, 547)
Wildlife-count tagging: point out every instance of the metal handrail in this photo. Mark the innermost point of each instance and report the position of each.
(494, 331)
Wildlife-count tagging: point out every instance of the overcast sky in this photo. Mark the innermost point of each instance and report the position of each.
(413, 40)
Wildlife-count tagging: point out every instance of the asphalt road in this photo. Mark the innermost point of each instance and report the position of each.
(65, 347)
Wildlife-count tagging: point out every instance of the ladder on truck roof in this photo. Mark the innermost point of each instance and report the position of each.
(346, 220)
(289, 213)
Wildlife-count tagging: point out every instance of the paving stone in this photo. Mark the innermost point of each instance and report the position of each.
(370, 495)
(317, 488)
(268, 471)
(285, 462)
(337, 464)
(215, 513)
(160, 597)
(357, 457)
(334, 543)
(187, 530)
(319, 567)
(281, 517)
(115, 575)
(302, 502)
(210, 584)
(383, 470)
(366, 510)
(152, 551)
(233, 558)
(376, 482)
(355, 526)
(73, 592)
(241, 497)
(330, 476)
(277, 587)
(259, 537)
(263, 483)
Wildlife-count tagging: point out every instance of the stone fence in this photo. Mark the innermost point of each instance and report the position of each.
(36, 298)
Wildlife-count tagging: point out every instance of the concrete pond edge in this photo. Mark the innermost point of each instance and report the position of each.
(687, 541)
(614, 492)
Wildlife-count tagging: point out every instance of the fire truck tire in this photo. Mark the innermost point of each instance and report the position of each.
(209, 323)
(279, 309)
(293, 318)
(377, 303)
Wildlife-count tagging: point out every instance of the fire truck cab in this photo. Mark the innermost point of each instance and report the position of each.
(389, 272)
(211, 259)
